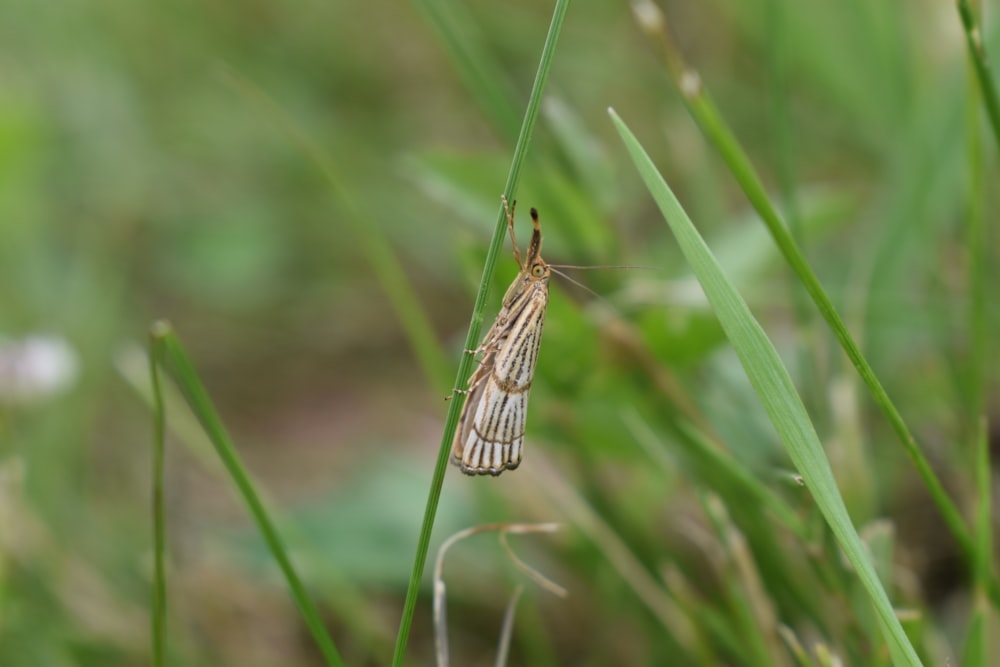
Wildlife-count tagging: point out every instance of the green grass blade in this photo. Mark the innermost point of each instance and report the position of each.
(472, 339)
(977, 251)
(733, 476)
(167, 350)
(783, 129)
(977, 643)
(481, 75)
(710, 121)
(753, 611)
(773, 385)
(375, 246)
(159, 616)
(974, 40)
(977, 647)
(802, 658)
(678, 625)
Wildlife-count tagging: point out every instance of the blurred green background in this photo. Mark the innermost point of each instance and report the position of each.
(257, 173)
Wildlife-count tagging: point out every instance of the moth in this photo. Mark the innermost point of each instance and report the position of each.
(490, 434)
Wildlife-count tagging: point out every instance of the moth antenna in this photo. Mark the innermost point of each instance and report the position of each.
(576, 282)
(535, 247)
(604, 266)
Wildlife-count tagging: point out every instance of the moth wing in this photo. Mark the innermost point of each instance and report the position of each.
(491, 435)
(517, 353)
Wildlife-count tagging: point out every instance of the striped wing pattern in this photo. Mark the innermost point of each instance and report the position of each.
(490, 435)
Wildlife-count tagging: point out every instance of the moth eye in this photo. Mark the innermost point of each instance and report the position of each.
(538, 270)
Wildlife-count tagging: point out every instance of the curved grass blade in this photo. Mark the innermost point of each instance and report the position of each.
(472, 339)
(773, 385)
(441, 590)
(168, 353)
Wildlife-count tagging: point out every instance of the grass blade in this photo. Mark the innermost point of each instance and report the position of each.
(707, 456)
(755, 615)
(466, 51)
(372, 241)
(168, 353)
(773, 385)
(159, 616)
(974, 40)
(440, 588)
(977, 647)
(472, 339)
(703, 110)
(507, 630)
(977, 249)
(617, 552)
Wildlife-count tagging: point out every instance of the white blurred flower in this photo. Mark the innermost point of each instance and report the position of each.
(34, 368)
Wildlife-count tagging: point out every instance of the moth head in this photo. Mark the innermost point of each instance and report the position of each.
(538, 270)
(535, 267)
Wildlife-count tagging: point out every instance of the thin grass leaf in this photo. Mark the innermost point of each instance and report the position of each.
(472, 339)
(732, 474)
(774, 387)
(583, 150)
(782, 129)
(372, 241)
(616, 550)
(977, 645)
(748, 599)
(795, 646)
(977, 249)
(712, 466)
(441, 589)
(704, 620)
(879, 536)
(977, 641)
(133, 364)
(703, 110)
(159, 616)
(540, 579)
(343, 594)
(168, 352)
(440, 623)
(480, 73)
(507, 629)
(974, 41)
(826, 657)
(984, 515)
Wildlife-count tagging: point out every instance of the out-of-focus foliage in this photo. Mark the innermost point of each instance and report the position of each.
(159, 160)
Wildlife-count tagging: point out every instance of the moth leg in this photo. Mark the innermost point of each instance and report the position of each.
(475, 380)
(463, 392)
(489, 342)
(509, 210)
